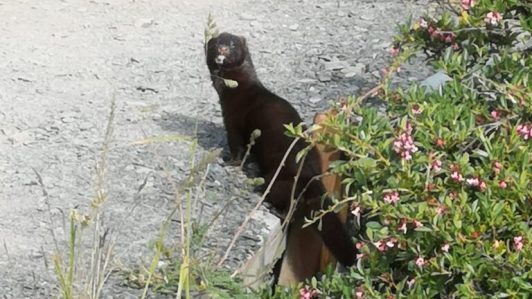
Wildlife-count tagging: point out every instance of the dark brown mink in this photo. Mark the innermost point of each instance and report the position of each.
(251, 106)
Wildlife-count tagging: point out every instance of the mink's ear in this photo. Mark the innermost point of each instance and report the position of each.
(243, 40)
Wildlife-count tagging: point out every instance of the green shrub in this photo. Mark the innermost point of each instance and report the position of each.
(444, 175)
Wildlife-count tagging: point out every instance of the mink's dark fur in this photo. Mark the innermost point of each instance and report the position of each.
(251, 106)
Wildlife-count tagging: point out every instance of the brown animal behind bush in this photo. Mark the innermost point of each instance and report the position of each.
(249, 106)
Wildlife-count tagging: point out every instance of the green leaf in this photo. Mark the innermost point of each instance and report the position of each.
(366, 163)
(373, 225)
(230, 83)
(464, 160)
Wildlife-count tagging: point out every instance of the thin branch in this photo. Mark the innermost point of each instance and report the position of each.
(248, 217)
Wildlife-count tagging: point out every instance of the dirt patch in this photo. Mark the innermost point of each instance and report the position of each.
(63, 62)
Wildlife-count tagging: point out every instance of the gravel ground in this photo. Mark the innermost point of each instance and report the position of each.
(63, 61)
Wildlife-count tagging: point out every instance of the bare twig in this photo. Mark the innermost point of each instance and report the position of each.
(248, 217)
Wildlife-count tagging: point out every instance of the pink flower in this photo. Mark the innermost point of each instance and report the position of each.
(455, 175)
(417, 224)
(359, 245)
(402, 227)
(440, 142)
(360, 256)
(411, 282)
(453, 195)
(482, 186)
(448, 37)
(391, 242)
(467, 4)
(495, 114)
(416, 109)
(433, 31)
(475, 182)
(356, 211)
(525, 131)
(445, 247)
(308, 293)
(440, 210)
(518, 243)
(394, 51)
(391, 197)
(404, 144)
(455, 46)
(497, 166)
(502, 184)
(423, 23)
(381, 245)
(493, 18)
(436, 165)
(359, 293)
(420, 262)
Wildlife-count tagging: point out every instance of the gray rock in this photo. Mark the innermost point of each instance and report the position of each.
(357, 69)
(314, 100)
(324, 76)
(335, 65)
(436, 81)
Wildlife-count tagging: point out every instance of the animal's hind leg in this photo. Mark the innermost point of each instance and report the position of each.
(301, 259)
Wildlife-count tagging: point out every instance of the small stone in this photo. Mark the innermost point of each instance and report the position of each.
(352, 71)
(84, 126)
(314, 100)
(144, 23)
(293, 27)
(67, 120)
(359, 29)
(324, 76)
(335, 65)
(306, 80)
(247, 17)
(254, 24)
(435, 81)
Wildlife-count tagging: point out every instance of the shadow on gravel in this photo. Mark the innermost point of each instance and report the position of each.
(209, 134)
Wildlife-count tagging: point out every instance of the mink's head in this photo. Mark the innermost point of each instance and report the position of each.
(226, 51)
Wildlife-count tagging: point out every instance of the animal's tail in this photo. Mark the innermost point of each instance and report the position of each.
(331, 230)
(337, 239)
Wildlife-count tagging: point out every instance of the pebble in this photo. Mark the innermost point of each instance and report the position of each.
(315, 100)
(85, 125)
(293, 27)
(324, 76)
(247, 17)
(67, 120)
(335, 65)
(352, 71)
(144, 23)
